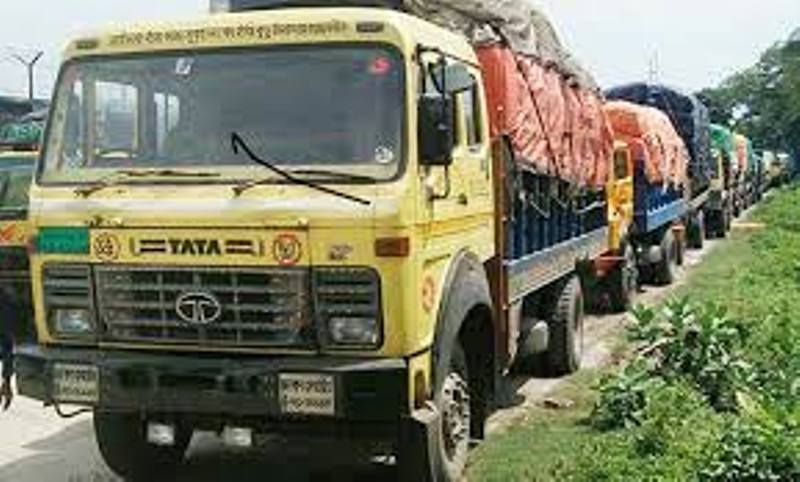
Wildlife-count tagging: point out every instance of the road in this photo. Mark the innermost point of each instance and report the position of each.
(38, 446)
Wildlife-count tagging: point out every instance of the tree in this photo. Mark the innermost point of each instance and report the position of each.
(763, 101)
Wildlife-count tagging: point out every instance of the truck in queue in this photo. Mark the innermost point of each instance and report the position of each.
(647, 202)
(747, 174)
(284, 218)
(690, 119)
(17, 161)
(721, 198)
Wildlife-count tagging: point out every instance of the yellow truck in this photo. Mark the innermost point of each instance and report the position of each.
(294, 221)
(16, 171)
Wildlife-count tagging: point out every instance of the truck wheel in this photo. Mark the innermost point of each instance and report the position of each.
(697, 235)
(121, 439)
(624, 281)
(566, 330)
(453, 401)
(728, 221)
(665, 269)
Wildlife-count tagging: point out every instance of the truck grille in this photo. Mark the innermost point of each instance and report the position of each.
(205, 306)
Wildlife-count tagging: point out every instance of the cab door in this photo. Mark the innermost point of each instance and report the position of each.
(620, 196)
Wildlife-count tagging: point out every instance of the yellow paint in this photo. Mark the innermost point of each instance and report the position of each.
(323, 224)
(620, 196)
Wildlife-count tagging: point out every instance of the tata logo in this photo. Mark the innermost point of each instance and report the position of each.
(198, 308)
(195, 247)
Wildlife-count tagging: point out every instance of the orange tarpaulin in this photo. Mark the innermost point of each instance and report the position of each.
(653, 140)
(556, 127)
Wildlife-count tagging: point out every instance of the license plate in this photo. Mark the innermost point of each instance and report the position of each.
(307, 394)
(74, 383)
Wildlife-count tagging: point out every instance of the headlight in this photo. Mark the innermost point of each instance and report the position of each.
(354, 331)
(68, 300)
(348, 304)
(67, 321)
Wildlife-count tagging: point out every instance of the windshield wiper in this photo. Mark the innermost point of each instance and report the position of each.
(237, 142)
(115, 178)
(341, 175)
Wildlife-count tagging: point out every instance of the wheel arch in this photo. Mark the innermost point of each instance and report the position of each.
(466, 315)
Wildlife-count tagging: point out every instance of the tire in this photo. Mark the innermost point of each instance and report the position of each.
(565, 349)
(624, 281)
(697, 235)
(728, 222)
(665, 269)
(121, 439)
(452, 399)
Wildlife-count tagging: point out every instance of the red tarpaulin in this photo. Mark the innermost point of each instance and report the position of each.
(555, 126)
(653, 140)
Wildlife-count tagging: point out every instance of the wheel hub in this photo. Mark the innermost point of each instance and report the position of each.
(455, 417)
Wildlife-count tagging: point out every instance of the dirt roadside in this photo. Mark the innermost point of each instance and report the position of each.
(601, 336)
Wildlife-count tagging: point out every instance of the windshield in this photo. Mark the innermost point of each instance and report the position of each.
(332, 108)
(15, 180)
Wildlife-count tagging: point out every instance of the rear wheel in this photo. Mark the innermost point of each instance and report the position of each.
(121, 439)
(667, 266)
(624, 281)
(565, 347)
(697, 233)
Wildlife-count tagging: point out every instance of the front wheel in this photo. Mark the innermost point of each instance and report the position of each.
(624, 281)
(121, 439)
(667, 266)
(697, 234)
(453, 402)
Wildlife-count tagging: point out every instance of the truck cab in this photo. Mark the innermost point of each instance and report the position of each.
(255, 223)
(16, 170)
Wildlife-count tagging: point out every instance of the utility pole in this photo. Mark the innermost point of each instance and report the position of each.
(29, 64)
(653, 68)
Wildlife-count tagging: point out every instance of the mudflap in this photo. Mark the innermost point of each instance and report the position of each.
(419, 438)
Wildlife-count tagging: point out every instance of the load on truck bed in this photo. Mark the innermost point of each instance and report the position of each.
(660, 159)
(690, 118)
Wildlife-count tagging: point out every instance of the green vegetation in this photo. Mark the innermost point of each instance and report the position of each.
(757, 101)
(709, 391)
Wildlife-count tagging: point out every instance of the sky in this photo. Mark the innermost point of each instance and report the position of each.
(686, 43)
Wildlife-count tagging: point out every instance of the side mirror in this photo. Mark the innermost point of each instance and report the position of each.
(451, 79)
(436, 130)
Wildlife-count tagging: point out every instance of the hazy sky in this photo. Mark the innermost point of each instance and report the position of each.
(696, 42)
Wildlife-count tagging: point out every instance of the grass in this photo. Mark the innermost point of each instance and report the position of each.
(755, 276)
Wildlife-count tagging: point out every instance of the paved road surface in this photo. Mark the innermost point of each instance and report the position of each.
(37, 446)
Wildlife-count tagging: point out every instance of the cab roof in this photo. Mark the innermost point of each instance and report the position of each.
(279, 26)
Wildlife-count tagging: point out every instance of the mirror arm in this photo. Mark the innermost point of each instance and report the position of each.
(448, 188)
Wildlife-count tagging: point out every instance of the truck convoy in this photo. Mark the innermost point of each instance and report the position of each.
(345, 220)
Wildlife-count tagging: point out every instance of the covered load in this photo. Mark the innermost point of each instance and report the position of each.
(690, 118)
(540, 99)
(652, 140)
(723, 141)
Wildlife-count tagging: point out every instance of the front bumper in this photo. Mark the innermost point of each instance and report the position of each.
(191, 385)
